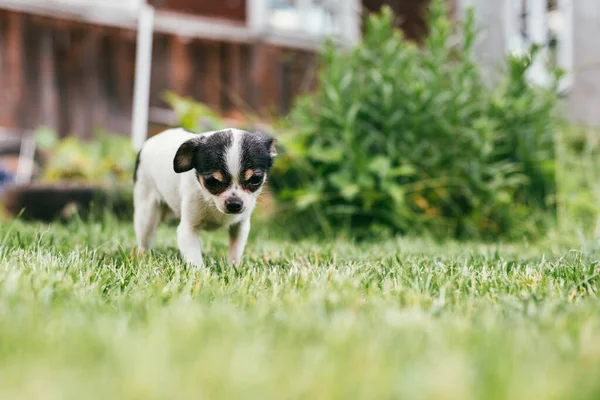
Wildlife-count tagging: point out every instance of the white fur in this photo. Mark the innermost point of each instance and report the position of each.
(234, 156)
(197, 209)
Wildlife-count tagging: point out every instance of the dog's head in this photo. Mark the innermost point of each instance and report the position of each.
(231, 166)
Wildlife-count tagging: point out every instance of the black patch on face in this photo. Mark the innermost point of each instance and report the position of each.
(205, 153)
(209, 158)
(210, 155)
(213, 185)
(137, 165)
(257, 155)
(254, 182)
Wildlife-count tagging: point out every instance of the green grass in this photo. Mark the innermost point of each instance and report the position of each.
(402, 319)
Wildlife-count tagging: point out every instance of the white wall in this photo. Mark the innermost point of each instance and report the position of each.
(491, 43)
(583, 98)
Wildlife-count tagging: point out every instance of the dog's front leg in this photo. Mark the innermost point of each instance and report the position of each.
(189, 244)
(238, 235)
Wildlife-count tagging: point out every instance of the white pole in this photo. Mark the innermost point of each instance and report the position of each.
(143, 67)
(565, 43)
(538, 32)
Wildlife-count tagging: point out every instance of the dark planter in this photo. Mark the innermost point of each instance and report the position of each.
(55, 201)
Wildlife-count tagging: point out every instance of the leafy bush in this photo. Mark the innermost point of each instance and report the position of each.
(403, 138)
(108, 158)
(578, 181)
(196, 116)
(193, 115)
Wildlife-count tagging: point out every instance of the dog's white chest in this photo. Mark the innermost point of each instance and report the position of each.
(209, 220)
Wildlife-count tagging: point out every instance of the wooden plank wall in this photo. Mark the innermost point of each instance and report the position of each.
(74, 77)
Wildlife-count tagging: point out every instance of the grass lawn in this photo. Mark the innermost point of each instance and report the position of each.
(403, 319)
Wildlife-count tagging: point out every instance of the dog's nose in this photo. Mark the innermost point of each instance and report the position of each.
(233, 205)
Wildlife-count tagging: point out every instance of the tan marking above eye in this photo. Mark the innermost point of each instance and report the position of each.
(218, 176)
(248, 174)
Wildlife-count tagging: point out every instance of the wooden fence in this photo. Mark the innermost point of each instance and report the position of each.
(73, 77)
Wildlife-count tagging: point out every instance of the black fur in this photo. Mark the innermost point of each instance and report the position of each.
(257, 153)
(137, 165)
(210, 155)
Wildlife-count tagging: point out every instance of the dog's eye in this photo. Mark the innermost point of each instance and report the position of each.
(211, 181)
(255, 180)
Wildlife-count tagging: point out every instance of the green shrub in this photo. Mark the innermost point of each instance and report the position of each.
(106, 159)
(578, 181)
(193, 115)
(196, 116)
(403, 138)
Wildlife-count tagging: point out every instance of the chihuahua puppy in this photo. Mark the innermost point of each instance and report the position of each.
(208, 181)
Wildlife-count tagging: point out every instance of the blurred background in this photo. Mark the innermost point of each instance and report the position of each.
(461, 118)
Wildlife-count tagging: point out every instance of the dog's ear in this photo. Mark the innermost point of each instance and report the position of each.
(184, 158)
(272, 149)
(270, 143)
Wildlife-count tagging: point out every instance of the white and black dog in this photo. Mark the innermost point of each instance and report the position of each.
(208, 181)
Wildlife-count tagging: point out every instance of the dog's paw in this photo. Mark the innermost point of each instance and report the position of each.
(135, 252)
